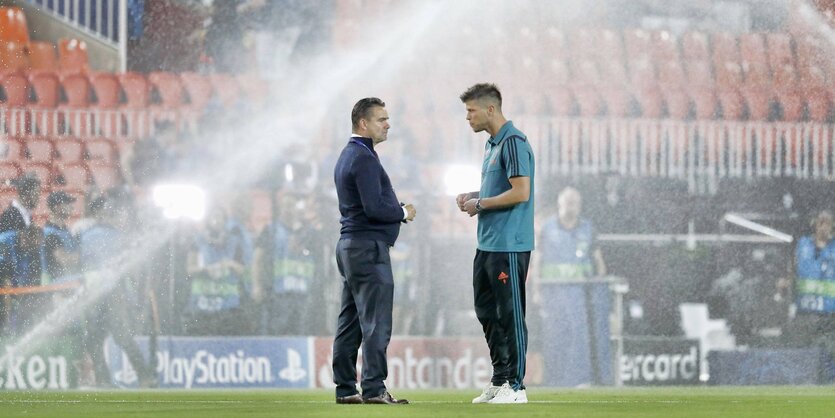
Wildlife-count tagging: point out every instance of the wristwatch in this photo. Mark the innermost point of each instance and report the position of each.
(478, 207)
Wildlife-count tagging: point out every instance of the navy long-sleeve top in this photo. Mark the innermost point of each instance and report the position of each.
(367, 203)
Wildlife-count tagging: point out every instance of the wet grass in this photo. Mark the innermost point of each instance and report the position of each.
(795, 401)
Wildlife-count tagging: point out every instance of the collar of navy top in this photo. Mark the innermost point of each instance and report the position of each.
(365, 142)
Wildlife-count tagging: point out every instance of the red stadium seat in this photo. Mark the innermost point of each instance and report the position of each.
(582, 43)
(785, 77)
(651, 101)
(638, 45)
(13, 25)
(756, 76)
(664, 46)
(613, 73)
(643, 74)
(732, 104)
(678, 102)
(137, 90)
(73, 177)
(226, 88)
(47, 90)
(40, 150)
(725, 48)
(699, 74)
(791, 102)
(11, 150)
(13, 56)
(671, 74)
(43, 56)
(758, 101)
(199, 90)
(553, 42)
(609, 46)
(588, 99)
(101, 151)
(752, 49)
(585, 73)
(560, 100)
(779, 50)
(169, 88)
(16, 90)
(77, 90)
(728, 75)
(819, 103)
(72, 55)
(69, 151)
(617, 101)
(107, 89)
(695, 46)
(255, 89)
(105, 176)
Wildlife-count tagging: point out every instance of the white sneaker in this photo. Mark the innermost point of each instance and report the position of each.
(506, 394)
(488, 393)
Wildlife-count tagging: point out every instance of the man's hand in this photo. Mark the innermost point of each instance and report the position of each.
(410, 209)
(470, 207)
(461, 199)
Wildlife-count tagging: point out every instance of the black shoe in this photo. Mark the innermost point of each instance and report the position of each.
(386, 399)
(349, 400)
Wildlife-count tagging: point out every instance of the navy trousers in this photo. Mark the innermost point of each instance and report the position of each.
(365, 316)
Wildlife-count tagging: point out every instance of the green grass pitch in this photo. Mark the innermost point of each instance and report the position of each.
(795, 401)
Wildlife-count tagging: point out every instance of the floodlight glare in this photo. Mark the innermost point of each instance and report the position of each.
(461, 178)
(180, 201)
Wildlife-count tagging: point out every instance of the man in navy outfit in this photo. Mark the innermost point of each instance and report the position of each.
(371, 218)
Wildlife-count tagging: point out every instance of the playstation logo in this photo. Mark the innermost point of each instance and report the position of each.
(294, 371)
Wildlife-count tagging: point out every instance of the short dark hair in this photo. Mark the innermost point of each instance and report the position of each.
(482, 90)
(363, 108)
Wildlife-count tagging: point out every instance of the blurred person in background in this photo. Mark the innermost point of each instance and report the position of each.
(505, 209)
(371, 216)
(19, 213)
(20, 266)
(217, 268)
(60, 246)
(814, 261)
(287, 265)
(103, 248)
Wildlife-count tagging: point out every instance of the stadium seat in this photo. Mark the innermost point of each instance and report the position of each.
(16, 90)
(101, 151)
(69, 150)
(678, 102)
(728, 75)
(791, 104)
(8, 171)
(226, 88)
(74, 177)
(695, 47)
(13, 25)
(138, 97)
(108, 92)
(199, 90)
(818, 102)
(42, 171)
(42, 56)
(553, 43)
(810, 53)
(651, 101)
(40, 150)
(642, 74)
(47, 90)
(732, 104)
(724, 48)
(13, 56)
(589, 102)
(671, 74)
(752, 49)
(11, 150)
(699, 74)
(756, 75)
(77, 91)
(617, 100)
(105, 176)
(785, 77)
(585, 73)
(613, 73)
(72, 55)
(609, 46)
(582, 44)
(637, 43)
(169, 88)
(664, 46)
(560, 100)
(758, 102)
(779, 50)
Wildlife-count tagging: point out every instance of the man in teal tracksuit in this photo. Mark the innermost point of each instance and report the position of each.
(505, 208)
